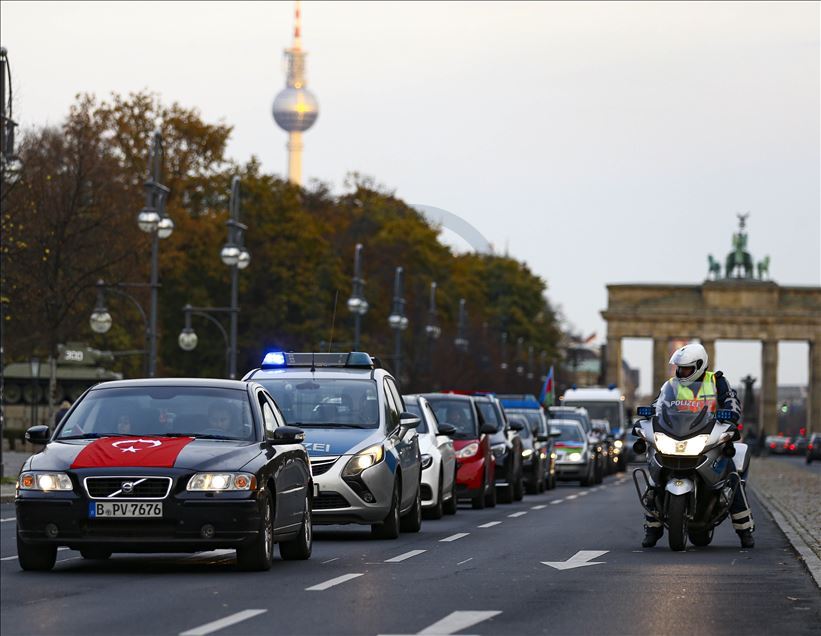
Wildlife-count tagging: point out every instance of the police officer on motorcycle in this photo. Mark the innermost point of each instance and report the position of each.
(691, 368)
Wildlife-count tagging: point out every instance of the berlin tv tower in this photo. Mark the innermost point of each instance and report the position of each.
(295, 108)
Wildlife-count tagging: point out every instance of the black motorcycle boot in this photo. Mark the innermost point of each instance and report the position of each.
(651, 536)
(746, 538)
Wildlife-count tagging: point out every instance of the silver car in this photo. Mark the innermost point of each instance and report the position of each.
(438, 459)
(362, 441)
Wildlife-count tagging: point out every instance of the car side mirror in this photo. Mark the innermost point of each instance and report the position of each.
(38, 435)
(287, 435)
(543, 438)
(447, 429)
(408, 421)
(487, 429)
(516, 426)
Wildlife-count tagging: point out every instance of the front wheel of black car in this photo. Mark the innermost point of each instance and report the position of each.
(38, 558)
(504, 493)
(259, 554)
(299, 548)
(95, 554)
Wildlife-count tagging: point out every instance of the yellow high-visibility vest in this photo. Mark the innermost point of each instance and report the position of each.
(706, 392)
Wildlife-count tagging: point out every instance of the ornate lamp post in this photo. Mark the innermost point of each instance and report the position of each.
(461, 342)
(432, 330)
(520, 369)
(100, 320)
(503, 363)
(34, 363)
(236, 256)
(357, 304)
(397, 320)
(530, 362)
(153, 220)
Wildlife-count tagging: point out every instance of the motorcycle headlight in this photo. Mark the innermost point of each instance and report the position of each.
(427, 460)
(364, 459)
(468, 451)
(668, 446)
(46, 482)
(213, 482)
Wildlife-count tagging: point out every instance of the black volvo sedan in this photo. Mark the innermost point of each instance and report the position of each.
(170, 465)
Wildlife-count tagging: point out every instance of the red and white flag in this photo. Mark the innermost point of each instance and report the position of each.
(150, 452)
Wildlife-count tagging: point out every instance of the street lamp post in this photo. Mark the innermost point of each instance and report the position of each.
(34, 363)
(188, 338)
(503, 363)
(530, 362)
(397, 320)
(461, 342)
(520, 369)
(357, 304)
(100, 319)
(153, 220)
(432, 330)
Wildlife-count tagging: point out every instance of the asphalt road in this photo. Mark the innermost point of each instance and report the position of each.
(799, 461)
(479, 572)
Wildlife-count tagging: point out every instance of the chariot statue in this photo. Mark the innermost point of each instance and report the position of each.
(739, 258)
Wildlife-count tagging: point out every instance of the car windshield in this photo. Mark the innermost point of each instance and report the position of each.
(317, 401)
(568, 433)
(610, 411)
(206, 412)
(490, 414)
(457, 413)
(413, 407)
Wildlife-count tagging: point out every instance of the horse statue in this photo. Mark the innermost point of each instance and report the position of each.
(764, 267)
(714, 267)
(739, 257)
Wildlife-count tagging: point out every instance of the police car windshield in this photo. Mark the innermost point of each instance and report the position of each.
(205, 412)
(457, 413)
(317, 402)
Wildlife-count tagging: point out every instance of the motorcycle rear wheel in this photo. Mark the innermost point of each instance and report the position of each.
(677, 521)
(701, 538)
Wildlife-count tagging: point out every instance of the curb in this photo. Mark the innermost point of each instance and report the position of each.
(806, 555)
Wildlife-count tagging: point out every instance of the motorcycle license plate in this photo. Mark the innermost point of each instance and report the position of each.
(124, 510)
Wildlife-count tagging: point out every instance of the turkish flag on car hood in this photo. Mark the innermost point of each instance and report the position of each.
(152, 452)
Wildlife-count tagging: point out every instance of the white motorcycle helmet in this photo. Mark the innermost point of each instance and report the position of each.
(691, 362)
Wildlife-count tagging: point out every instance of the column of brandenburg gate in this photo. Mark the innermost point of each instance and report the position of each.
(736, 307)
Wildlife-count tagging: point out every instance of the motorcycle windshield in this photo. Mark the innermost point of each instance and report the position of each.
(684, 411)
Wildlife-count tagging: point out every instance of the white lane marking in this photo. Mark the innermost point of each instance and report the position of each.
(457, 621)
(454, 537)
(330, 560)
(233, 619)
(465, 561)
(578, 560)
(489, 524)
(8, 519)
(517, 514)
(319, 587)
(583, 493)
(404, 556)
(558, 501)
(539, 507)
(571, 497)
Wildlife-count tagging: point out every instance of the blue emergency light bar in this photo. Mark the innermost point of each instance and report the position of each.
(519, 401)
(351, 360)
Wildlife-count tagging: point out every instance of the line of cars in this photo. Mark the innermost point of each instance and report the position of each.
(798, 445)
(174, 465)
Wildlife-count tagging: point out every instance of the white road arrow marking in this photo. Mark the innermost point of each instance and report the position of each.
(457, 621)
(578, 560)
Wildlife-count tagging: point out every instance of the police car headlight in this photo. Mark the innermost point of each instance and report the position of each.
(573, 457)
(211, 482)
(427, 460)
(46, 482)
(364, 459)
(468, 451)
(618, 443)
(527, 452)
(668, 446)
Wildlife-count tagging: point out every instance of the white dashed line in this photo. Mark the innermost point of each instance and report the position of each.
(558, 501)
(405, 556)
(583, 493)
(465, 561)
(14, 556)
(330, 560)
(233, 619)
(8, 519)
(517, 514)
(538, 507)
(454, 537)
(319, 587)
(571, 497)
(490, 524)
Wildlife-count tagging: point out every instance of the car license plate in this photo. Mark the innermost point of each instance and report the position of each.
(123, 509)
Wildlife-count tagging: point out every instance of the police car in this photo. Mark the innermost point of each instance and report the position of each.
(361, 439)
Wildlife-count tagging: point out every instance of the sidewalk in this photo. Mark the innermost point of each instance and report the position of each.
(792, 496)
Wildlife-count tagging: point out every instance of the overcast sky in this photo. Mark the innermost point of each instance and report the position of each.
(600, 142)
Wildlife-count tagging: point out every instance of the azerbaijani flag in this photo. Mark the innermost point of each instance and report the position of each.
(546, 396)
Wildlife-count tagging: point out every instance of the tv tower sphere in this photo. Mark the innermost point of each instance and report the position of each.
(295, 108)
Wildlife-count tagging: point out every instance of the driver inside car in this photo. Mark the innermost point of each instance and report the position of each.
(691, 371)
(221, 421)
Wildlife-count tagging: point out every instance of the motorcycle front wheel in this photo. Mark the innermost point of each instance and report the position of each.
(700, 538)
(677, 521)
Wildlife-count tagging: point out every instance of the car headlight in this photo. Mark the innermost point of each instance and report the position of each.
(669, 446)
(618, 443)
(527, 452)
(211, 482)
(427, 460)
(573, 457)
(468, 451)
(364, 459)
(46, 482)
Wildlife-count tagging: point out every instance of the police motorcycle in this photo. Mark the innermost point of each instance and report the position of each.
(692, 459)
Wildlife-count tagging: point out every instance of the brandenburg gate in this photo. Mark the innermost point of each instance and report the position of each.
(736, 307)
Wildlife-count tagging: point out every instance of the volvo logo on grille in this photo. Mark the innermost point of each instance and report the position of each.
(128, 487)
